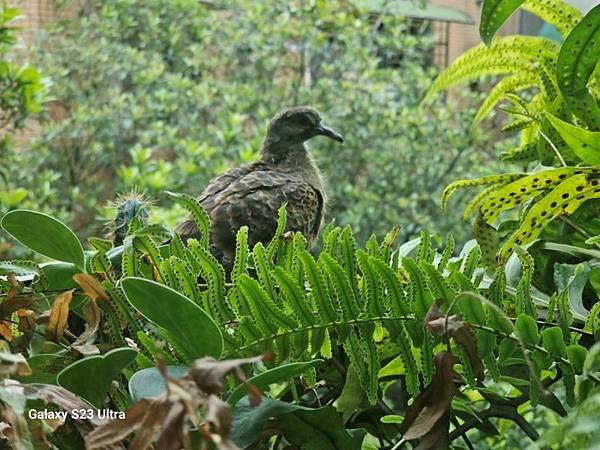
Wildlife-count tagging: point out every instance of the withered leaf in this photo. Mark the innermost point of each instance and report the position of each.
(11, 363)
(433, 403)
(452, 327)
(12, 304)
(209, 374)
(6, 331)
(93, 316)
(26, 320)
(59, 313)
(91, 286)
(116, 431)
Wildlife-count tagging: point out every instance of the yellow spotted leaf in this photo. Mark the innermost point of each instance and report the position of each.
(477, 200)
(517, 192)
(488, 240)
(490, 179)
(59, 313)
(563, 200)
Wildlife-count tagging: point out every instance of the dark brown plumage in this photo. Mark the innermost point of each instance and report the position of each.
(251, 195)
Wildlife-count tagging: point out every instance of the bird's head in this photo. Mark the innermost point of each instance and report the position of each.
(291, 127)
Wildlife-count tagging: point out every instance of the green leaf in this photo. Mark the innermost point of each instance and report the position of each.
(553, 342)
(527, 329)
(493, 14)
(198, 214)
(45, 235)
(306, 428)
(585, 144)
(150, 383)
(60, 275)
(577, 355)
(576, 62)
(275, 375)
(188, 324)
(91, 377)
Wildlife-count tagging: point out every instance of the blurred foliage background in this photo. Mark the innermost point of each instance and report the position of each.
(165, 94)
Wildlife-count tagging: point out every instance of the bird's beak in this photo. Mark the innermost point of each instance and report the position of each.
(329, 132)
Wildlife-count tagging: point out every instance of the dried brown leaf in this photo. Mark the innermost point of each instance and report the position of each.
(209, 374)
(93, 316)
(6, 331)
(451, 327)
(465, 337)
(430, 405)
(91, 286)
(116, 431)
(14, 303)
(59, 314)
(26, 320)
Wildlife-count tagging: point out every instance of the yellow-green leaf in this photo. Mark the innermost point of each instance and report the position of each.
(585, 144)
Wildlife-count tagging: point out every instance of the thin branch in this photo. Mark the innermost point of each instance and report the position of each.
(560, 158)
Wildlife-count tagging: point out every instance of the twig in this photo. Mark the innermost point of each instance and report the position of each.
(464, 435)
(560, 158)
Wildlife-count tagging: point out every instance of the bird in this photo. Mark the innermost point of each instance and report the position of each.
(251, 195)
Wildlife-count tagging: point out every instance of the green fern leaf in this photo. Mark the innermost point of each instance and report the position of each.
(447, 253)
(214, 274)
(525, 152)
(508, 55)
(438, 285)
(198, 214)
(471, 261)
(263, 268)
(347, 246)
(421, 296)
(295, 301)
(276, 240)
(372, 289)
(397, 298)
(268, 316)
(505, 86)
(320, 292)
(341, 284)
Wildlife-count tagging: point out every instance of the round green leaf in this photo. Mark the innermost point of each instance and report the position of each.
(91, 377)
(192, 329)
(527, 329)
(45, 235)
(149, 382)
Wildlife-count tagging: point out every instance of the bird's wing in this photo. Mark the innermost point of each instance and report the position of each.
(253, 200)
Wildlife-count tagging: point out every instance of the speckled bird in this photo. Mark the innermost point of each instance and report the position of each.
(251, 195)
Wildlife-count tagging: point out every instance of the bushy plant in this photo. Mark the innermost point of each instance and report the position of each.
(21, 94)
